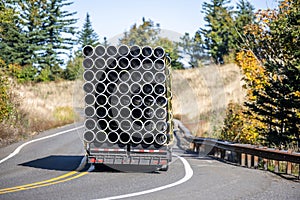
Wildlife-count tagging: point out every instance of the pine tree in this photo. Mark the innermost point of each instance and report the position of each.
(244, 17)
(192, 47)
(218, 36)
(20, 38)
(87, 36)
(39, 36)
(275, 44)
(144, 34)
(171, 48)
(58, 29)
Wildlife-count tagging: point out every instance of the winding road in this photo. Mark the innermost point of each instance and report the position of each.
(52, 166)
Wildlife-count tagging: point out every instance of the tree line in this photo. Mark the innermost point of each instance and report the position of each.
(269, 60)
(35, 34)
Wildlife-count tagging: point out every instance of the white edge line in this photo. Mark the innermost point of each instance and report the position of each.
(188, 175)
(18, 149)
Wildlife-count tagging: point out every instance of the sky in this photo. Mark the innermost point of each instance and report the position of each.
(111, 18)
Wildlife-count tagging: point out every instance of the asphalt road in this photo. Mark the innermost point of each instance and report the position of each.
(44, 169)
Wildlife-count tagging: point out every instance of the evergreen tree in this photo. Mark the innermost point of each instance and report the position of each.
(144, 34)
(244, 17)
(87, 36)
(192, 47)
(171, 49)
(148, 34)
(32, 16)
(74, 68)
(58, 29)
(218, 36)
(41, 31)
(20, 38)
(275, 43)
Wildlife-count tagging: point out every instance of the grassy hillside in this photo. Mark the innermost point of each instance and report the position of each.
(39, 107)
(200, 96)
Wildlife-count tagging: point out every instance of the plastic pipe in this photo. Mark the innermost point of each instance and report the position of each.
(135, 63)
(101, 136)
(147, 51)
(136, 138)
(148, 138)
(87, 63)
(135, 51)
(124, 138)
(90, 124)
(161, 138)
(113, 137)
(89, 136)
(88, 51)
(89, 99)
(100, 50)
(123, 50)
(88, 87)
(158, 52)
(88, 75)
(111, 51)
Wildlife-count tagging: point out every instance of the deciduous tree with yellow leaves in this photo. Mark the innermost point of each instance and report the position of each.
(271, 66)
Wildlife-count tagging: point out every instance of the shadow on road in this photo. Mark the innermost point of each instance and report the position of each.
(125, 169)
(55, 162)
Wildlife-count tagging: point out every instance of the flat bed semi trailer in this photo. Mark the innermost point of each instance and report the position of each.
(128, 107)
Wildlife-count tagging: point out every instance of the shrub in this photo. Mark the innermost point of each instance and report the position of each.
(6, 107)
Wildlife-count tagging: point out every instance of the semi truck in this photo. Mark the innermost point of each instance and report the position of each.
(128, 110)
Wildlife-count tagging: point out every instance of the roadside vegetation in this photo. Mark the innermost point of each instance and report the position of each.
(261, 48)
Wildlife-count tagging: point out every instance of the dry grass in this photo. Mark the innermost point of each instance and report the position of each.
(40, 106)
(201, 96)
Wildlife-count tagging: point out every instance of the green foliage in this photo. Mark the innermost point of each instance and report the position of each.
(233, 123)
(35, 33)
(238, 127)
(147, 34)
(22, 74)
(87, 36)
(12, 46)
(171, 49)
(44, 75)
(58, 29)
(142, 35)
(192, 47)
(74, 68)
(244, 17)
(218, 36)
(6, 107)
(274, 40)
(7, 15)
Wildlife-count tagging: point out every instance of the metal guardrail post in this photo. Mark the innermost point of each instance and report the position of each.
(243, 159)
(289, 168)
(276, 167)
(265, 164)
(255, 164)
(249, 160)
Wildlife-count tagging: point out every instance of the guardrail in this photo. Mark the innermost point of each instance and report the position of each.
(245, 155)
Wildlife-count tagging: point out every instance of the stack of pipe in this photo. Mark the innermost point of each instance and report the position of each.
(128, 95)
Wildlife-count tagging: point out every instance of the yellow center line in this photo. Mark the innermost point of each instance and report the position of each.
(52, 181)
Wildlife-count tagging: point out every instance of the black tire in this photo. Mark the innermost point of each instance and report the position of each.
(164, 168)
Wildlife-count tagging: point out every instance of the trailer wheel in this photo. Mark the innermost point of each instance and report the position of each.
(164, 168)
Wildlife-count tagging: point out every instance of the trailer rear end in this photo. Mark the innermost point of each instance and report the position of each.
(128, 107)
